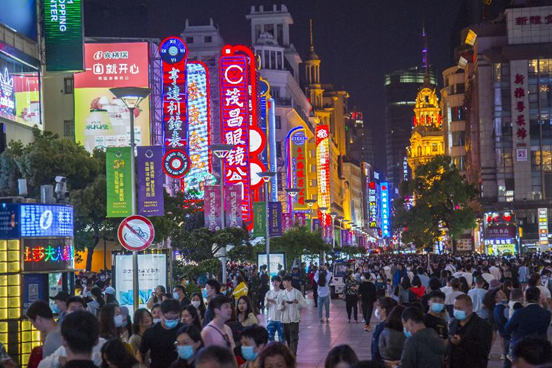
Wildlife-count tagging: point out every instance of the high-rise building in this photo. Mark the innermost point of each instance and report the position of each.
(401, 89)
(358, 138)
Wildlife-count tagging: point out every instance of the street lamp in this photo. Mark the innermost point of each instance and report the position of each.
(221, 150)
(340, 219)
(333, 216)
(131, 97)
(292, 192)
(267, 175)
(310, 203)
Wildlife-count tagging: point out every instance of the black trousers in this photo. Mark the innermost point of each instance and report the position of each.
(351, 303)
(291, 330)
(315, 294)
(367, 309)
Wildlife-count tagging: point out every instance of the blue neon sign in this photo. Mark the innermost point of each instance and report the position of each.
(41, 220)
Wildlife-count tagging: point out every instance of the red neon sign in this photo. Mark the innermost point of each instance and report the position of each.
(323, 168)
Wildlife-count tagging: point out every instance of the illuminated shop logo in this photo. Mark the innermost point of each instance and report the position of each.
(46, 219)
(7, 102)
(49, 254)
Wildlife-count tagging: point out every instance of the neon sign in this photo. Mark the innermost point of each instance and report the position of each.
(323, 175)
(199, 130)
(234, 102)
(49, 253)
(372, 205)
(7, 100)
(385, 211)
(296, 165)
(173, 52)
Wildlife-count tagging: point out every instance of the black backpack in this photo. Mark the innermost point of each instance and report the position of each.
(322, 278)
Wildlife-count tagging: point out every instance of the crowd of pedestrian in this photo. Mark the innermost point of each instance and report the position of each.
(440, 311)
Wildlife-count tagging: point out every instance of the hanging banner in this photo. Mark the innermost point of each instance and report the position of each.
(308, 224)
(213, 208)
(287, 223)
(344, 238)
(150, 181)
(199, 130)
(274, 218)
(233, 205)
(328, 234)
(315, 224)
(173, 52)
(259, 219)
(350, 238)
(119, 190)
(300, 219)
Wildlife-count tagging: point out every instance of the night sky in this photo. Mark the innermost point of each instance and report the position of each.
(358, 41)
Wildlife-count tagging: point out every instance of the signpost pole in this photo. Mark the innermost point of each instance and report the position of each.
(135, 286)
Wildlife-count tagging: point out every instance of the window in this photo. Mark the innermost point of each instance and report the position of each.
(279, 149)
(189, 40)
(208, 39)
(458, 139)
(69, 128)
(434, 147)
(313, 169)
(278, 122)
(68, 86)
(460, 88)
(313, 183)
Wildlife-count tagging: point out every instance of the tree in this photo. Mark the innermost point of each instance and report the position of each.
(298, 241)
(443, 200)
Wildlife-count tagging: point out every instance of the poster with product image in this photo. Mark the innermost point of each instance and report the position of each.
(152, 271)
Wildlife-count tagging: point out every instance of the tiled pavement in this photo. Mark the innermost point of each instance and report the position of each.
(316, 340)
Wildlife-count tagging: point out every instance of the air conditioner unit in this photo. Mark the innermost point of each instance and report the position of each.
(537, 196)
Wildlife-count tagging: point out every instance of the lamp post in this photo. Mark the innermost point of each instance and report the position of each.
(340, 219)
(323, 224)
(221, 151)
(333, 215)
(310, 203)
(292, 193)
(131, 97)
(267, 175)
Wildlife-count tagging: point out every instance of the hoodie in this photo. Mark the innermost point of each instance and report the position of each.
(423, 349)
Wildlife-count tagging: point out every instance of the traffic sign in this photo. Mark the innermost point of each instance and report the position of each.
(176, 163)
(136, 233)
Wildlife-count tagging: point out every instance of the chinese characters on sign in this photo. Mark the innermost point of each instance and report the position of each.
(212, 207)
(372, 205)
(49, 253)
(385, 210)
(296, 166)
(173, 52)
(543, 227)
(534, 20)
(233, 205)
(323, 167)
(150, 181)
(274, 218)
(501, 232)
(119, 191)
(520, 108)
(234, 101)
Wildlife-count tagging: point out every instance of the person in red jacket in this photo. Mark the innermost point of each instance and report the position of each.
(417, 288)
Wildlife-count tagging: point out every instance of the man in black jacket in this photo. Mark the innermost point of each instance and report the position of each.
(368, 297)
(470, 336)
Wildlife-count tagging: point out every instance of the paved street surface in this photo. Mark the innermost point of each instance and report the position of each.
(316, 340)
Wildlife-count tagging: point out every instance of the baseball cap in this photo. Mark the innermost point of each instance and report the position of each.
(61, 295)
(109, 290)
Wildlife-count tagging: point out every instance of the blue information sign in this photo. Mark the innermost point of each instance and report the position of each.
(41, 220)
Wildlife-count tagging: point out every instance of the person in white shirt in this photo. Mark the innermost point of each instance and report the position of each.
(451, 296)
(323, 277)
(495, 271)
(487, 275)
(477, 295)
(274, 316)
(290, 302)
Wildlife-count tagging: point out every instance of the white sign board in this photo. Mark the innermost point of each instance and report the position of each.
(152, 271)
(277, 262)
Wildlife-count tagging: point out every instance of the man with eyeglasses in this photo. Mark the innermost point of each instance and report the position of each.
(159, 339)
(217, 332)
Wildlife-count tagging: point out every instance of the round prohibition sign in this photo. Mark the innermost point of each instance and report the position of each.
(136, 233)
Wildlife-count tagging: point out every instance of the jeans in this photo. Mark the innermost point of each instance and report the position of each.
(367, 309)
(275, 326)
(291, 330)
(324, 301)
(507, 363)
(351, 303)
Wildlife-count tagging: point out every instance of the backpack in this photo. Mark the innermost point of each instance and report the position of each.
(322, 278)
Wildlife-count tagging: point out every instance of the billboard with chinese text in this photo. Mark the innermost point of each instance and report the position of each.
(297, 151)
(323, 168)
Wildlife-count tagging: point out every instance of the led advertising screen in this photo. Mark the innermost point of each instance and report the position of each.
(385, 210)
(101, 119)
(54, 254)
(42, 220)
(20, 15)
(63, 35)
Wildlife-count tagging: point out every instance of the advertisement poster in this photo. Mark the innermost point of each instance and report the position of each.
(150, 181)
(152, 271)
(33, 289)
(277, 262)
(212, 208)
(119, 193)
(286, 222)
(233, 205)
(101, 119)
(63, 32)
(301, 219)
(274, 218)
(259, 218)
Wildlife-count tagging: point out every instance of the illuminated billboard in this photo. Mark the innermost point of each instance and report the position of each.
(385, 210)
(296, 144)
(63, 33)
(323, 168)
(199, 130)
(101, 119)
(20, 15)
(372, 205)
(234, 113)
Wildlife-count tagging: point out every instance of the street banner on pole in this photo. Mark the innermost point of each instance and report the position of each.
(300, 219)
(328, 234)
(308, 224)
(233, 205)
(213, 207)
(259, 219)
(119, 191)
(286, 222)
(315, 224)
(150, 181)
(344, 238)
(275, 218)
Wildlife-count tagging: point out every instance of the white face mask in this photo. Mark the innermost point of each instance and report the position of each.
(196, 303)
(377, 314)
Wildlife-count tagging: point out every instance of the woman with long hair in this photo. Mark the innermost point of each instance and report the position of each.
(97, 303)
(403, 292)
(116, 355)
(464, 286)
(188, 343)
(199, 304)
(384, 306)
(341, 356)
(111, 321)
(156, 296)
(392, 338)
(246, 314)
(189, 316)
(276, 354)
(142, 321)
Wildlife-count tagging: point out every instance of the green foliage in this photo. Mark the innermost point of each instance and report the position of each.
(297, 241)
(442, 199)
(211, 266)
(350, 251)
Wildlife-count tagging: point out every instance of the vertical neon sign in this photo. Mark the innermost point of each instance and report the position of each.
(385, 221)
(372, 206)
(323, 175)
(199, 130)
(297, 165)
(234, 109)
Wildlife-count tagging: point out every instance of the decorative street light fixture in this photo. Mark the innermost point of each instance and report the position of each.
(221, 150)
(292, 192)
(131, 97)
(333, 215)
(267, 175)
(310, 203)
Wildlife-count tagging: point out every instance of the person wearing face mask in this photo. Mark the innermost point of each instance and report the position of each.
(211, 290)
(60, 305)
(127, 325)
(383, 308)
(435, 318)
(499, 317)
(253, 341)
(179, 293)
(423, 347)
(142, 321)
(470, 336)
(197, 302)
(188, 343)
(111, 323)
(159, 339)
